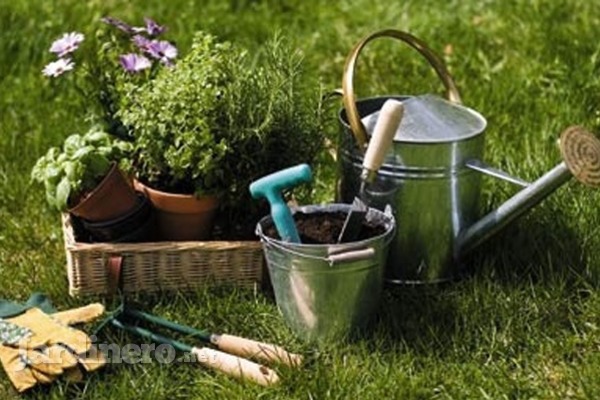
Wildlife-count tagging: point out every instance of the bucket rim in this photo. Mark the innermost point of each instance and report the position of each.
(330, 207)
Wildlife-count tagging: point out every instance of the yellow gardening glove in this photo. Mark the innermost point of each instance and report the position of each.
(80, 315)
(93, 359)
(21, 371)
(37, 348)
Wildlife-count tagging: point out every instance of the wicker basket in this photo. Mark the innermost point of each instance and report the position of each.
(151, 267)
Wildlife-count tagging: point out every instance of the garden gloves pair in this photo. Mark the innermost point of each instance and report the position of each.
(37, 348)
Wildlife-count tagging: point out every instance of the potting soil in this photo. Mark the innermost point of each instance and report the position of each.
(324, 228)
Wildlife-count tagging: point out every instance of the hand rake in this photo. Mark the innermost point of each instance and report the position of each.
(234, 365)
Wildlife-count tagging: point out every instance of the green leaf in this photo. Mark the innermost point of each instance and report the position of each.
(98, 138)
(73, 143)
(70, 169)
(124, 147)
(52, 172)
(82, 152)
(98, 165)
(63, 191)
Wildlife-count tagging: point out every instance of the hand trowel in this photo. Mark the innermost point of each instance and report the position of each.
(388, 121)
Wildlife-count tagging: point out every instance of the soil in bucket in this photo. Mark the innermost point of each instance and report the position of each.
(325, 228)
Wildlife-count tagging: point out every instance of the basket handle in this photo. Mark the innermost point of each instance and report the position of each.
(114, 274)
(349, 98)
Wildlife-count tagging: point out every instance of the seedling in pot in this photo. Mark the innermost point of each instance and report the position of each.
(83, 176)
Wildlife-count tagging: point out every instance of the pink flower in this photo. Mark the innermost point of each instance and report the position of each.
(68, 43)
(117, 23)
(134, 62)
(163, 51)
(142, 42)
(152, 28)
(57, 68)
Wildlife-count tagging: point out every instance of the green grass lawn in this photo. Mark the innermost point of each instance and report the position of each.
(524, 324)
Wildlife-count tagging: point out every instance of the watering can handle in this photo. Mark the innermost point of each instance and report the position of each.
(349, 98)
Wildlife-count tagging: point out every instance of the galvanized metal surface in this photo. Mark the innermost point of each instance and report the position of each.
(434, 190)
(325, 292)
(512, 209)
(433, 194)
(432, 179)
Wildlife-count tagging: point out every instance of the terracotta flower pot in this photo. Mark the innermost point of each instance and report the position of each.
(112, 198)
(181, 217)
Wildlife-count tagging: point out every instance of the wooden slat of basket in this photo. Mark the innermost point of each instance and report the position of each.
(149, 267)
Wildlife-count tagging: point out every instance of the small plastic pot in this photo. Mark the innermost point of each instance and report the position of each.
(112, 198)
(138, 225)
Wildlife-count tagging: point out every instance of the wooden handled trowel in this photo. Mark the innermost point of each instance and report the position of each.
(383, 135)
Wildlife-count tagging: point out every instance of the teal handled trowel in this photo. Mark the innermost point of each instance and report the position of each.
(271, 187)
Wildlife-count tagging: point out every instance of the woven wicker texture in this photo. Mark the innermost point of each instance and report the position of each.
(151, 267)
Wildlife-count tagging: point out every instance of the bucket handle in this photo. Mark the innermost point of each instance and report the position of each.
(349, 98)
(351, 255)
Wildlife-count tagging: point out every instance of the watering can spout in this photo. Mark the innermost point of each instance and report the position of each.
(513, 208)
(581, 158)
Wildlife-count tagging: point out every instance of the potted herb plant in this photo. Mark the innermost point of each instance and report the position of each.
(83, 177)
(219, 119)
(176, 152)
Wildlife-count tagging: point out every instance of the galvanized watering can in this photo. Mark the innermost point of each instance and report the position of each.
(432, 175)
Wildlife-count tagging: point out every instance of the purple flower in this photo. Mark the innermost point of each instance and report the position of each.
(58, 67)
(68, 43)
(142, 42)
(117, 23)
(134, 62)
(152, 28)
(163, 51)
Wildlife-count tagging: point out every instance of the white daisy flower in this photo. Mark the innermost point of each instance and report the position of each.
(68, 43)
(58, 67)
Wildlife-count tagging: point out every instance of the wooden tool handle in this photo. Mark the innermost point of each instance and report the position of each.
(235, 366)
(250, 348)
(385, 129)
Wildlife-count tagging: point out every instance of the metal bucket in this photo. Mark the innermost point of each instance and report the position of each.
(433, 192)
(325, 292)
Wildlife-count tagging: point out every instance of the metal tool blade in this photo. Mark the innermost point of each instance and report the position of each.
(389, 119)
(354, 220)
